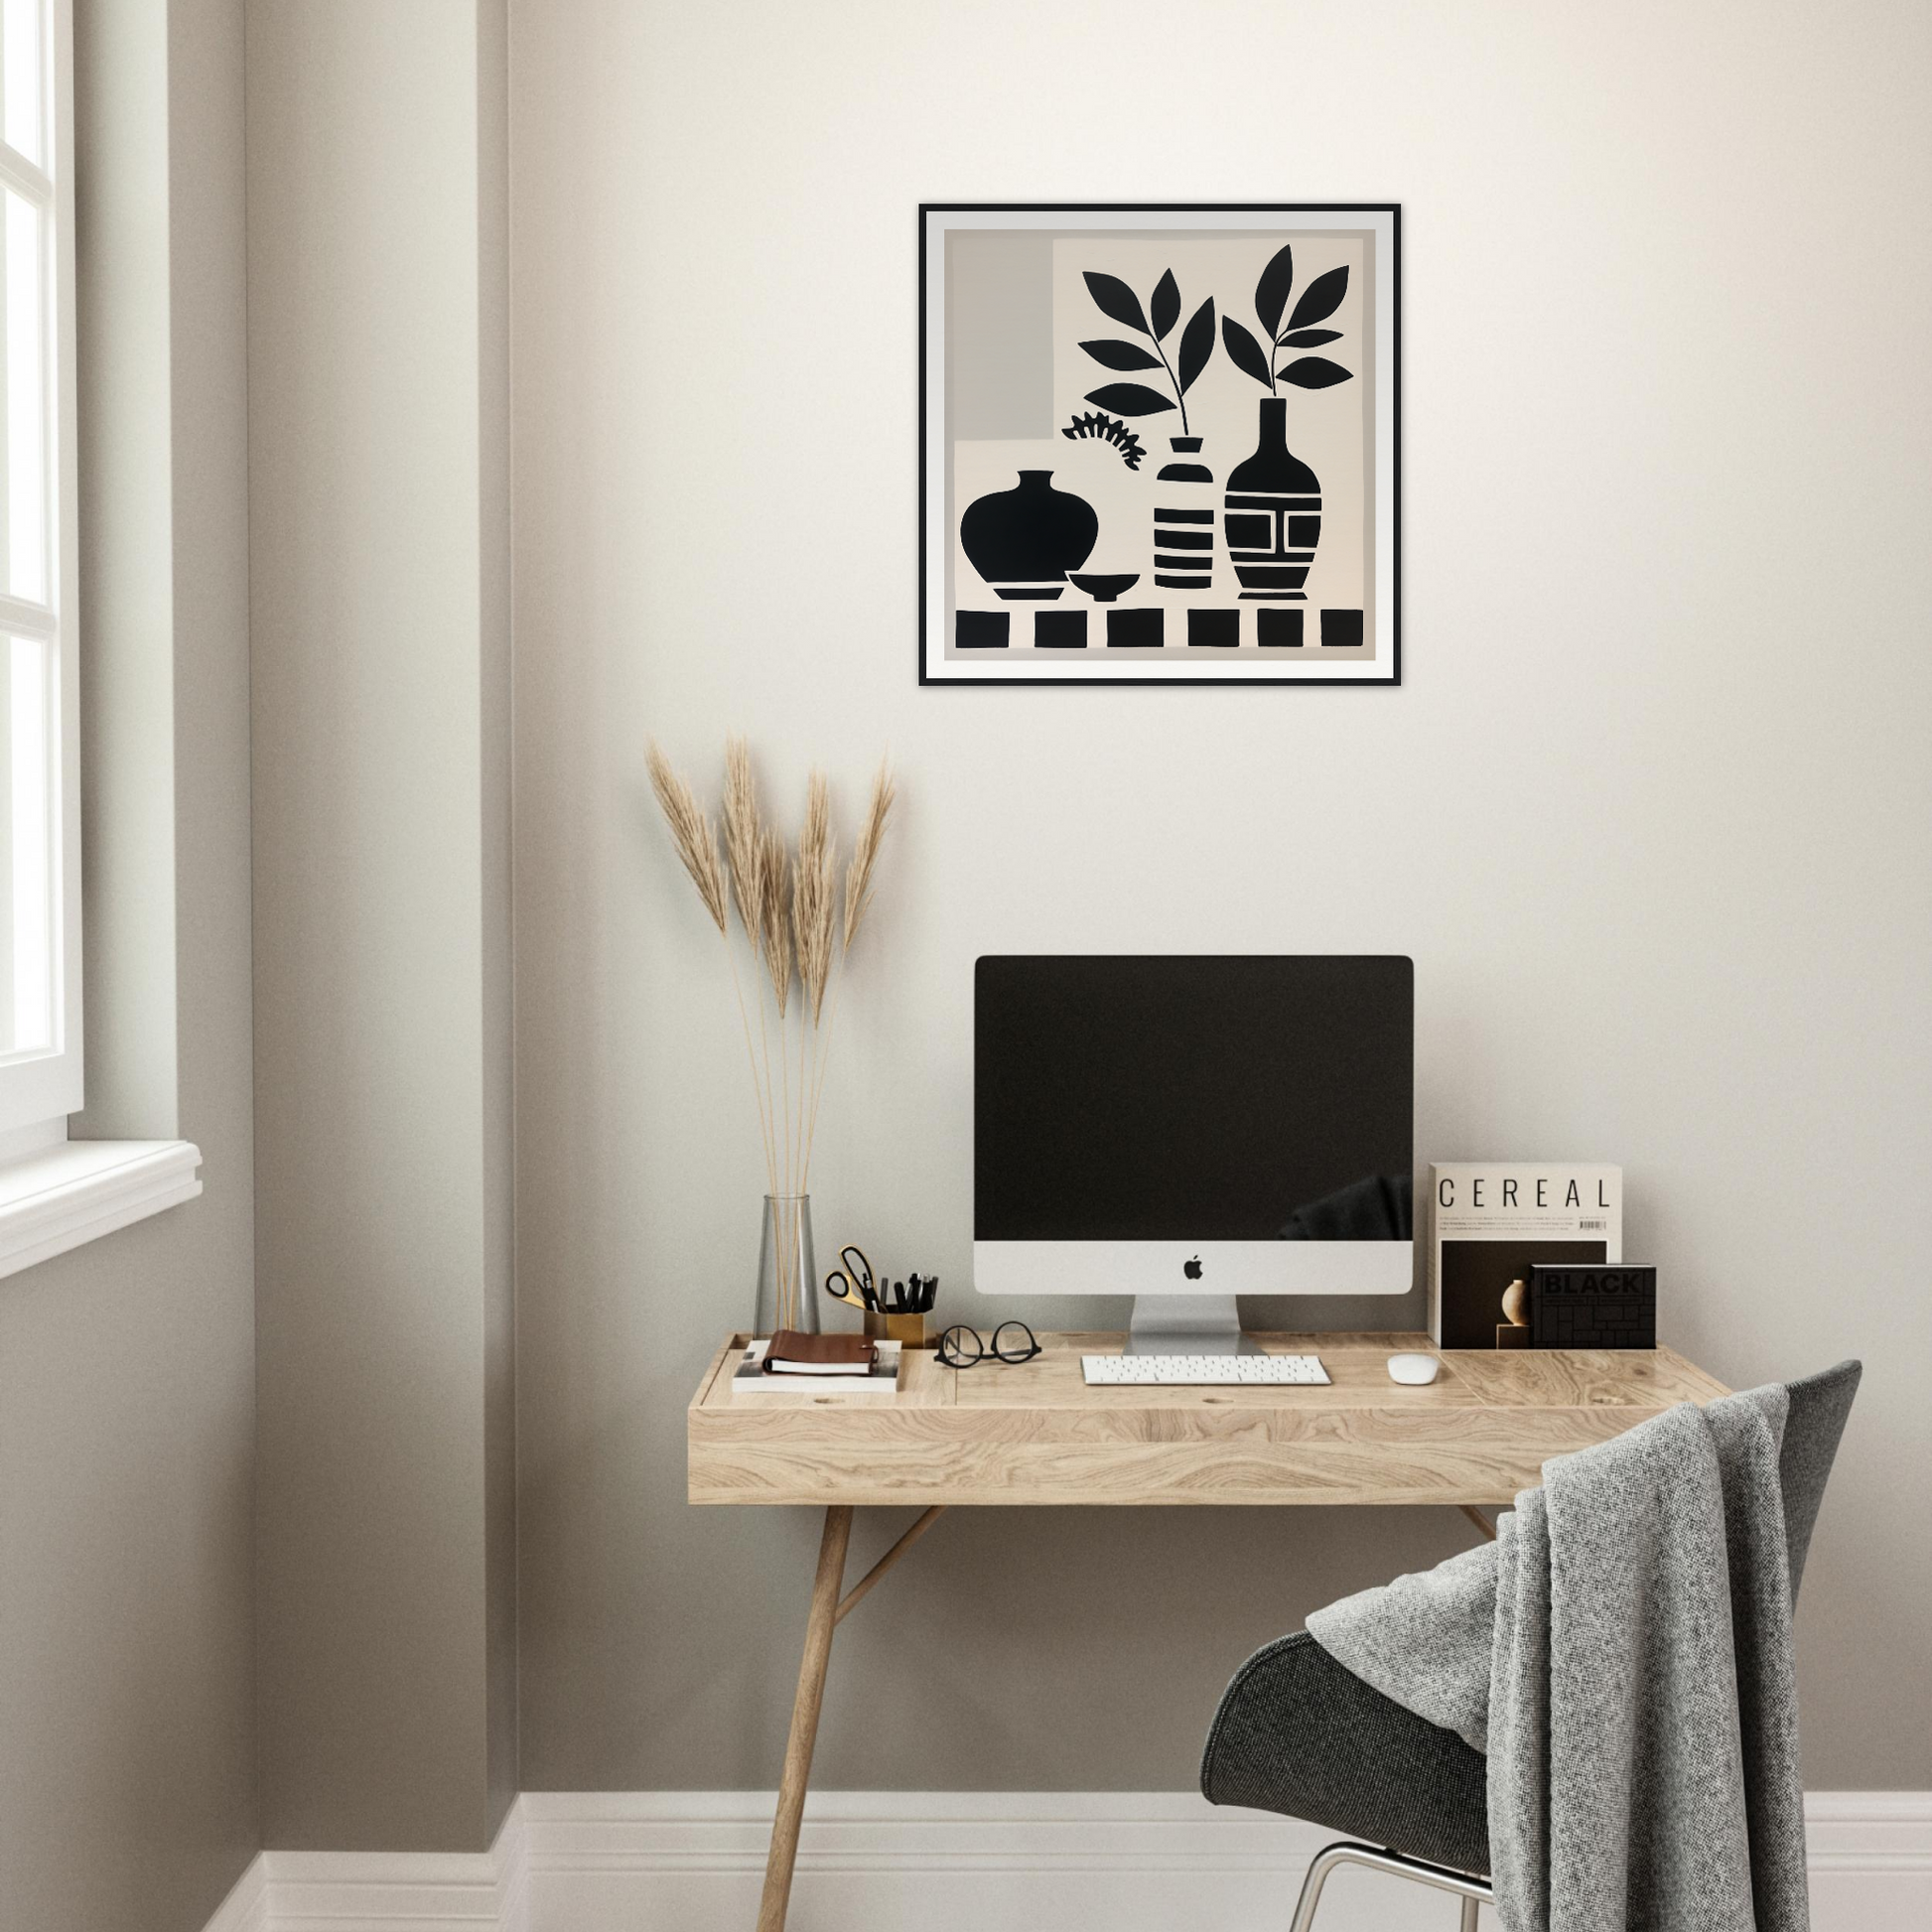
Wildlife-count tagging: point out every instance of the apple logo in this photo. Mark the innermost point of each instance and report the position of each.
(1191, 1269)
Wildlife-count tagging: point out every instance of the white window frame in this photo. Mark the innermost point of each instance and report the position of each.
(55, 1192)
(39, 1089)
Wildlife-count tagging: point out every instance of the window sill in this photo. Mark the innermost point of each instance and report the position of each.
(79, 1190)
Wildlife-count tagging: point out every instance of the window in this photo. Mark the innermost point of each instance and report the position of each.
(54, 1193)
(40, 846)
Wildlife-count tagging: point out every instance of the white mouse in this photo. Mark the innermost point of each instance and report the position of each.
(1415, 1369)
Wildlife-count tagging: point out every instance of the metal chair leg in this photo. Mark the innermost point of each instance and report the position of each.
(1471, 1890)
(1324, 1862)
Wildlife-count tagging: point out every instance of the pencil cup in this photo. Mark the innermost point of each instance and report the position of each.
(906, 1329)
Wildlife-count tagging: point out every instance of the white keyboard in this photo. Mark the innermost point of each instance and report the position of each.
(1201, 1371)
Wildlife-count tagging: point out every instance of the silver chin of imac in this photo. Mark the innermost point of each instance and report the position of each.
(1184, 1296)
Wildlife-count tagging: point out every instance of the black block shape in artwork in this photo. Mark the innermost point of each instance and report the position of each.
(1276, 628)
(1341, 630)
(981, 629)
(1272, 514)
(1024, 540)
(1213, 630)
(1061, 631)
(1136, 629)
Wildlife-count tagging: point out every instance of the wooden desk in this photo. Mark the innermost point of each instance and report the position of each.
(1033, 1434)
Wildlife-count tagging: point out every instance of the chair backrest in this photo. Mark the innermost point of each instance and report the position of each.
(1819, 1407)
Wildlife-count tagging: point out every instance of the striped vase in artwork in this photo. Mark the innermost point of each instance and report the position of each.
(1183, 519)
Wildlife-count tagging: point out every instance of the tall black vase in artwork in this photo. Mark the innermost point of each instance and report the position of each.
(1272, 514)
(1024, 540)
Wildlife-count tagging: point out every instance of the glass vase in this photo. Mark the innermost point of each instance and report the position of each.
(788, 1271)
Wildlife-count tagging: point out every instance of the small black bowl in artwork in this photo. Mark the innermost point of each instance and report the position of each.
(1103, 590)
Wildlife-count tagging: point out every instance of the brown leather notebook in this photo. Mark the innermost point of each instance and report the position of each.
(793, 1353)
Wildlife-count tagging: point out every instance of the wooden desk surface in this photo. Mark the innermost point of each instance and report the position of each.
(1033, 1434)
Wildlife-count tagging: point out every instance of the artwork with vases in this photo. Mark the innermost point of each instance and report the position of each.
(1159, 444)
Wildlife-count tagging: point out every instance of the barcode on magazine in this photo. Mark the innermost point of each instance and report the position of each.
(1598, 1225)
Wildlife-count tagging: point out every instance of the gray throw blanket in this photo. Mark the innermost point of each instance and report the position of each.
(1622, 1652)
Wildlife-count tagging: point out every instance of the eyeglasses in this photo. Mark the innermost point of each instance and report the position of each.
(1013, 1342)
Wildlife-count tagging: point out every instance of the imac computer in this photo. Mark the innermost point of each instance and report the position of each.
(1190, 1128)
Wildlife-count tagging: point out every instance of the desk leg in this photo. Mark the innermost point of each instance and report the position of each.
(804, 1718)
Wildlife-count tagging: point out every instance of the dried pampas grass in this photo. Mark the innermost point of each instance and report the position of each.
(814, 896)
(865, 852)
(775, 918)
(691, 832)
(743, 849)
(787, 909)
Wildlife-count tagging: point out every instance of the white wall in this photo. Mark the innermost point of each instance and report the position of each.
(1650, 810)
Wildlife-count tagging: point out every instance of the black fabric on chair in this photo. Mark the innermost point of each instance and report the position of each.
(1298, 1734)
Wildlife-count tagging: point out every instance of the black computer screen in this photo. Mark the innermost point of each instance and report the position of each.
(1218, 1098)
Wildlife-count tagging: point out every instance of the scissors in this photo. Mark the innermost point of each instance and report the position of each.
(851, 1282)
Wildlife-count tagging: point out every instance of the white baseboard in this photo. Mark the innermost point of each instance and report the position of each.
(953, 1861)
(245, 1909)
(385, 1891)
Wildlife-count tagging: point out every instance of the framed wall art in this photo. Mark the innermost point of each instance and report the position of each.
(1159, 444)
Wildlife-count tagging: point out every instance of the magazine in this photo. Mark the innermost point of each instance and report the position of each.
(1489, 1221)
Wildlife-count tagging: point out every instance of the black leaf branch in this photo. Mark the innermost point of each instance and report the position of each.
(1319, 300)
(1165, 305)
(1245, 352)
(1118, 303)
(1129, 399)
(1121, 355)
(1116, 300)
(1271, 292)
(1314, 373)
(1196, 344)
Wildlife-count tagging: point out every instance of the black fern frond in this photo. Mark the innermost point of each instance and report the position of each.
(1107, 429)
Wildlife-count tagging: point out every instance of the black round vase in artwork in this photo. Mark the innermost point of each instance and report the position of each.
(1272, 514)
(1024, 540)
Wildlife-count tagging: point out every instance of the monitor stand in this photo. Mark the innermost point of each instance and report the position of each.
(1187, 1324)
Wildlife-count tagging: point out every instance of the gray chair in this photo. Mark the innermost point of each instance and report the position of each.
(1298, 1734)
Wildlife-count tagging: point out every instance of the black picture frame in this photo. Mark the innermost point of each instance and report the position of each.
(1388, 365)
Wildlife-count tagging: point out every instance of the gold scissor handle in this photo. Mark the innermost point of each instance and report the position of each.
(851, 1286)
